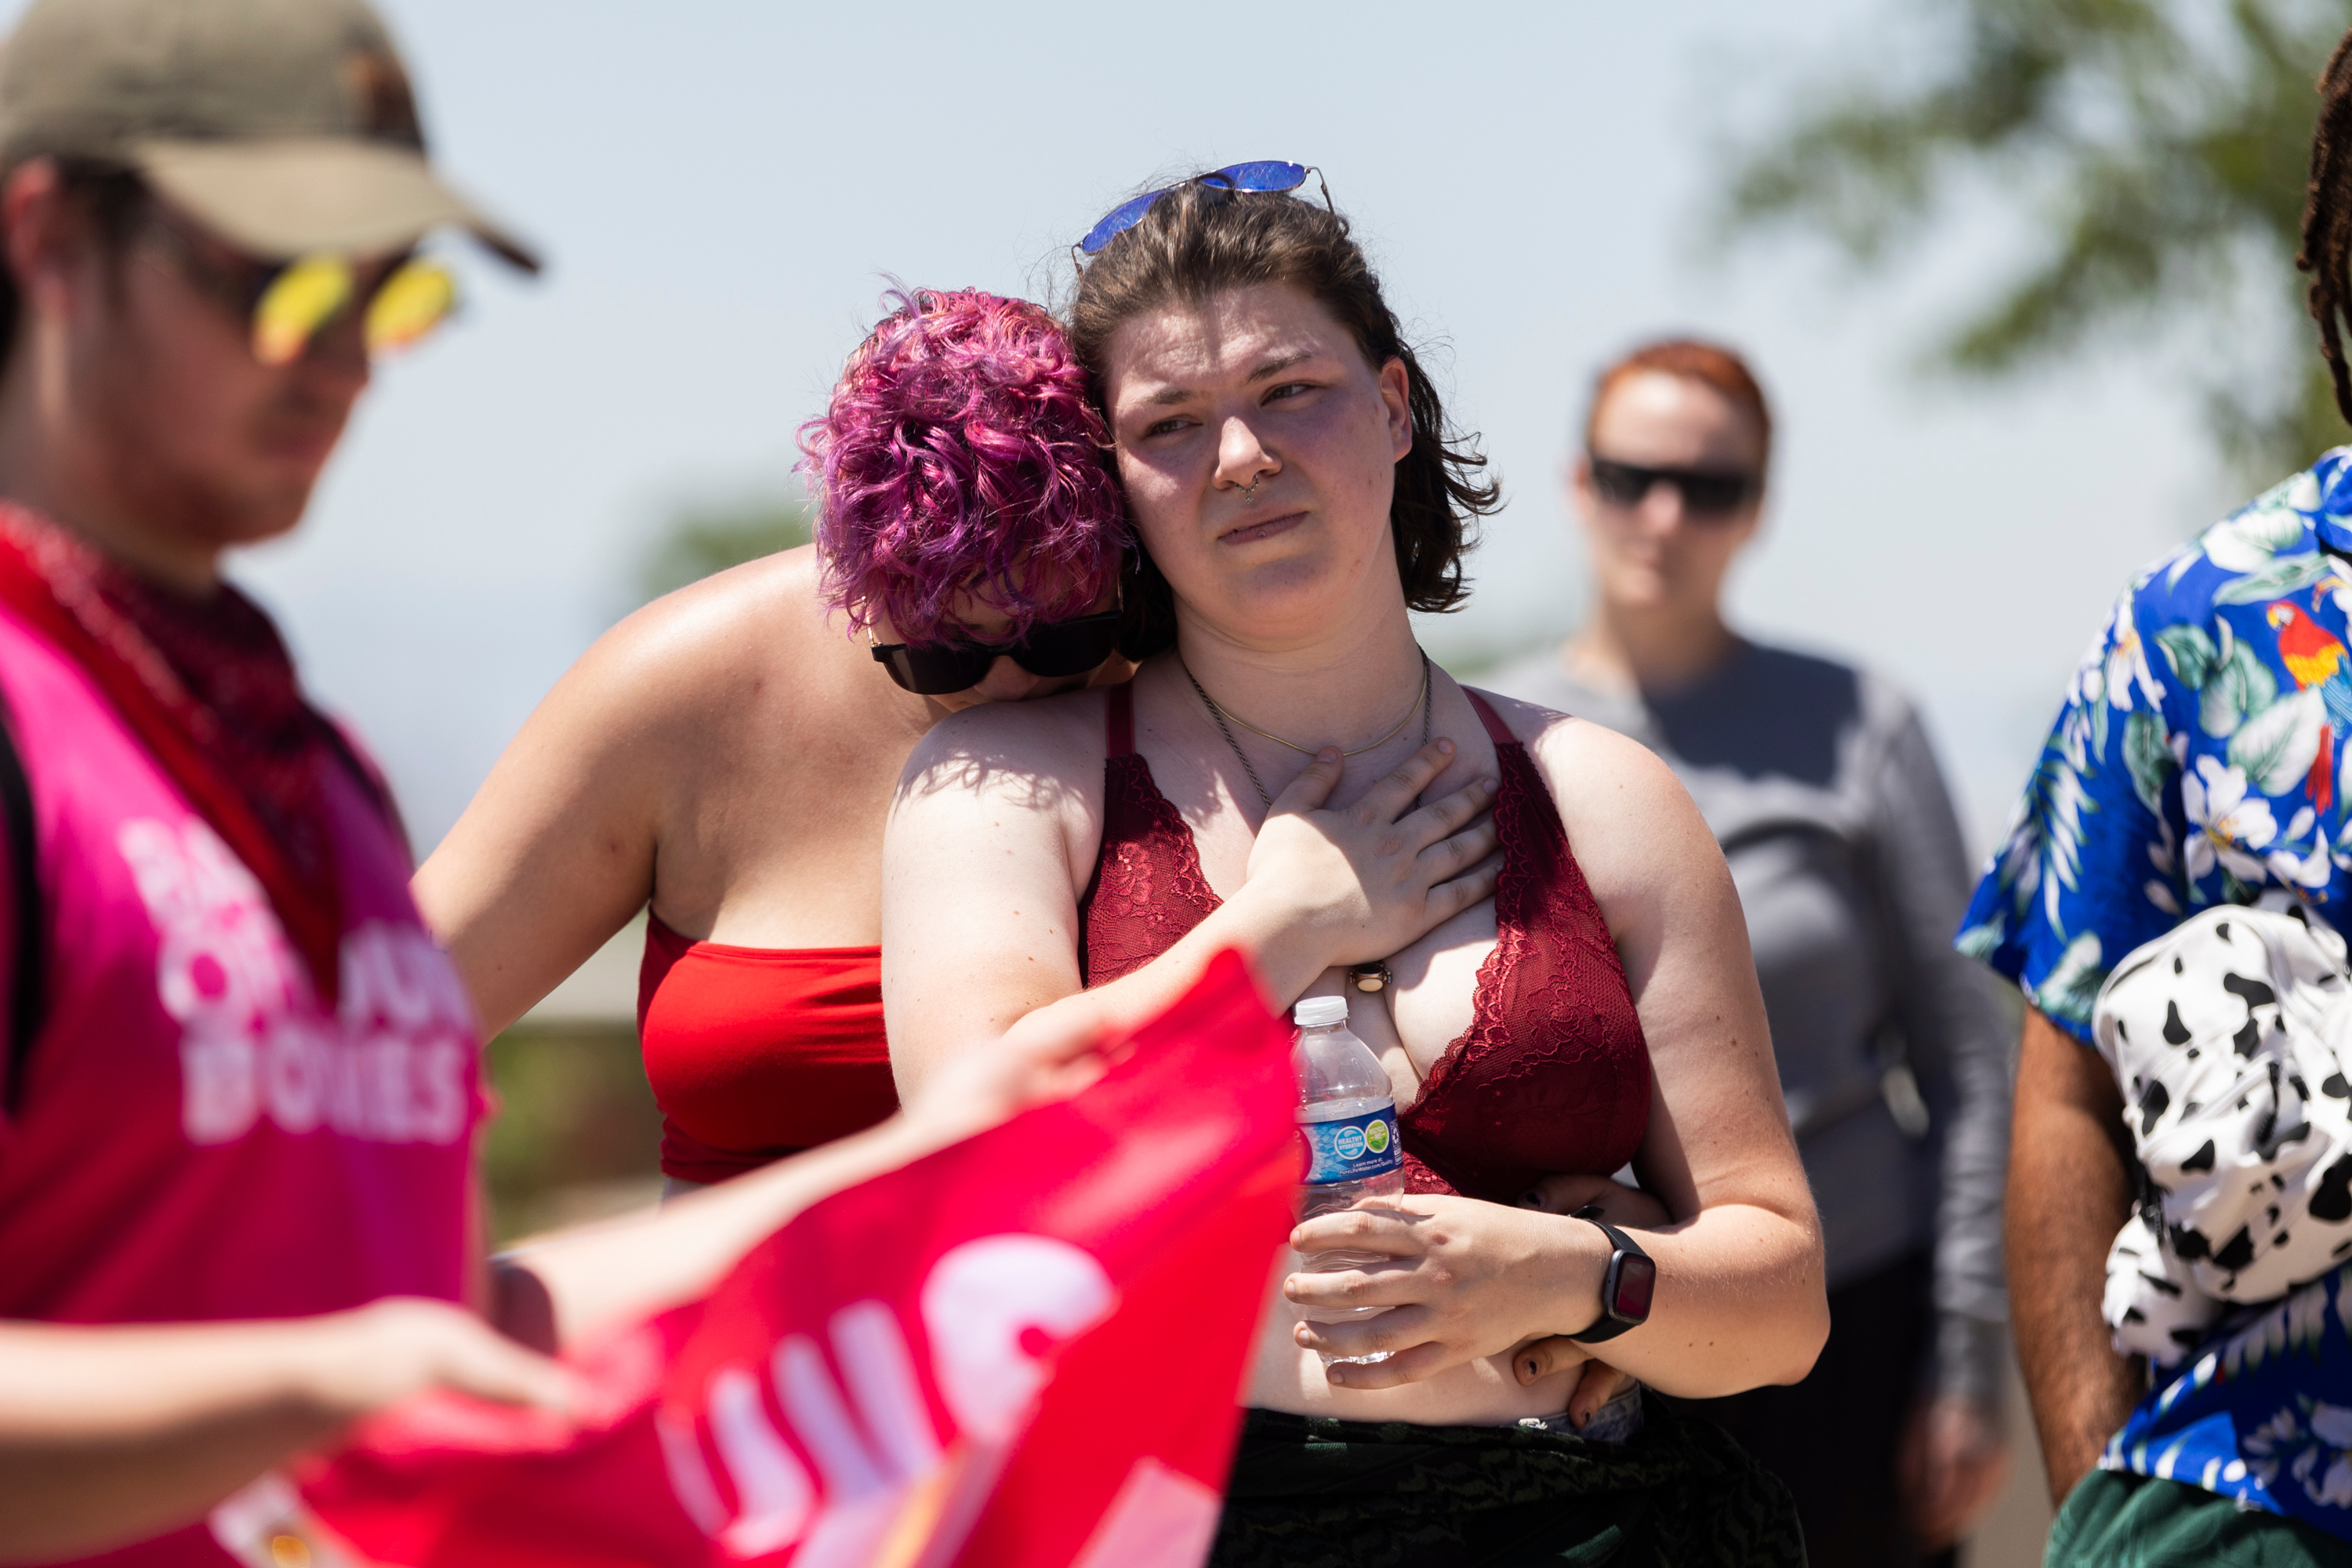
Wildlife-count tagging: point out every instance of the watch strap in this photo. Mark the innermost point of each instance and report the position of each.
(1609, 1325)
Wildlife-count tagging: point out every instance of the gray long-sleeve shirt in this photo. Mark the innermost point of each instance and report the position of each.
(1818, 782)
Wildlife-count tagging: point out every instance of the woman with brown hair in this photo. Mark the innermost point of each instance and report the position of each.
(1818, 781)
(1297, 491)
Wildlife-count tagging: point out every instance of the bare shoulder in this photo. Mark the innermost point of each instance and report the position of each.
(1590, 767)
(1630, 822)
(1009, 749)
(1023, 779)
(712, 641)
(653, 707)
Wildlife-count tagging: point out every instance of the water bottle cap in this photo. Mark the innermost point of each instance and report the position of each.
(1319, 1012)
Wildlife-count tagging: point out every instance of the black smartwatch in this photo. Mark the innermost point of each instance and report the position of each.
(1626, 1289)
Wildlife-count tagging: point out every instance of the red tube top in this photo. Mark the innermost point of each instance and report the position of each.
(1553, 1073)
(755, 1053)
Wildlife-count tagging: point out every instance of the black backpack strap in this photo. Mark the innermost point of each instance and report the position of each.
(370, 780)
(28, 961)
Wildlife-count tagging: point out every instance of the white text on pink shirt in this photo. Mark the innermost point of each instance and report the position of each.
(390, 1066)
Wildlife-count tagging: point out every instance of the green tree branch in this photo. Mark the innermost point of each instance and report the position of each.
(2158, 148)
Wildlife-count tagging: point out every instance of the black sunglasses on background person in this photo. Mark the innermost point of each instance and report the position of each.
(1708, 496)
(1071, 646)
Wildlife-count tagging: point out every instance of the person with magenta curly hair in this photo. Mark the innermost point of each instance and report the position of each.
(726, 755)
(962, 454)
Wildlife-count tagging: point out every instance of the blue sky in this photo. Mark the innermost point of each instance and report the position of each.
(721, 185)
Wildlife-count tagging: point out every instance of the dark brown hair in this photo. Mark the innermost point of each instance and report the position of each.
(1694, 359)
(1198, 241)
(2327, 217)
(110, 193)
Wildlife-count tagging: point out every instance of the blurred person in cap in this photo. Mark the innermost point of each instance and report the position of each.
(238, 1082)
(1818, 781)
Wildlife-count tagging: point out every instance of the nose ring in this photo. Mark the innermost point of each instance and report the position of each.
(1251, 488)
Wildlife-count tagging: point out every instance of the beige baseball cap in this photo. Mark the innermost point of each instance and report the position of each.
(285, 126)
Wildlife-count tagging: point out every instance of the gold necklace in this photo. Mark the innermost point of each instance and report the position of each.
(1420, 705)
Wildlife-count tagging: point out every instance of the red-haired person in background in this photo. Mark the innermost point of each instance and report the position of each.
(1818, 781)
(238, 1084)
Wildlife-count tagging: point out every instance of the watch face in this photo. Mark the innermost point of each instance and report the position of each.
(1637, 1281)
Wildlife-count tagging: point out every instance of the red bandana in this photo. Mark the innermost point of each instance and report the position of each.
(207, 686)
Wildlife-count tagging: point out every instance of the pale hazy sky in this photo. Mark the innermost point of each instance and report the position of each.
(720, 185)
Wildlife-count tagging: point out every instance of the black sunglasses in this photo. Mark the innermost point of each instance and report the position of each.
(1707, 496)
(1072, 646)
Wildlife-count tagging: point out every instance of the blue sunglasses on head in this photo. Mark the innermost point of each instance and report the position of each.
(1273, 178)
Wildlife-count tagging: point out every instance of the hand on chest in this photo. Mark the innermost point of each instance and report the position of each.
(1430, 1002)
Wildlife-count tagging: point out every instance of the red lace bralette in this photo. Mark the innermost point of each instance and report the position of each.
(1552, 1075)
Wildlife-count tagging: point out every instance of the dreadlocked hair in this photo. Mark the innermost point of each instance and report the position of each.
(2327, 219)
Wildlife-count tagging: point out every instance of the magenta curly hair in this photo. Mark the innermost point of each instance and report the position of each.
(962, 453)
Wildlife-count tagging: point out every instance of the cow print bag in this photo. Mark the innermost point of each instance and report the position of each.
(2228, 1036)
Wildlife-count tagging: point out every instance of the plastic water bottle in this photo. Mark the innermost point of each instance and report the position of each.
(1347, 1114)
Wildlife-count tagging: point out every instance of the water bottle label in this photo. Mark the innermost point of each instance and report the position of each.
(1352, 1149)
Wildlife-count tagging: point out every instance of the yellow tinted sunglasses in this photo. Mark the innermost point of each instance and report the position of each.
(409, 301)
(290, 302)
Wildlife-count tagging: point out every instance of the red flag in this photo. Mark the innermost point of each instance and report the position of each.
(1022, 1350)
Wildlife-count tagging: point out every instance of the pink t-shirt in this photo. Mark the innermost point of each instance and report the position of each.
(197, 1137)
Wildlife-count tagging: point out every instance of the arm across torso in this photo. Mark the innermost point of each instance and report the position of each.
(994, 835)
(992, 841)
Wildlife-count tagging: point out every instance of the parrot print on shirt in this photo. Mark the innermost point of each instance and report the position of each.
(2313, 659)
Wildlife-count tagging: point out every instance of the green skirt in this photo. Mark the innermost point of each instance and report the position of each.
(1310, 1491)
(2115, 1520)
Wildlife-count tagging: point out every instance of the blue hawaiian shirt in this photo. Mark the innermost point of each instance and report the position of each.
(2201, 759)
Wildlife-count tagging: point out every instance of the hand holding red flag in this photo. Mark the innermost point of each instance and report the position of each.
(937, 1366)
